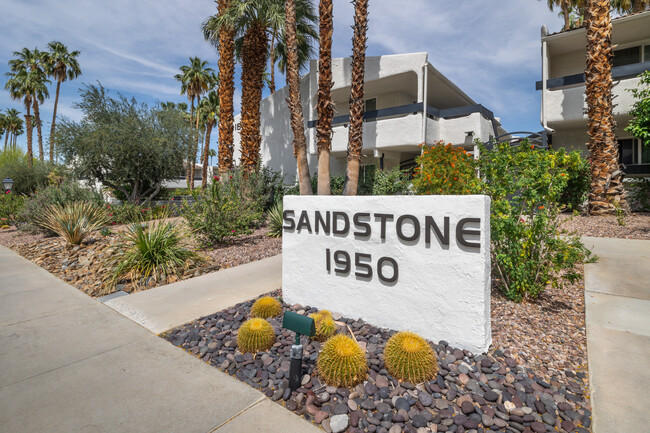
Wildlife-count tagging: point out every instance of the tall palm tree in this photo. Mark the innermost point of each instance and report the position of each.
(13, 125)
(3, 128)
(607, 193)
(355, 137)
(295, 104)
(325, 105)
(33, 63)
(630, 6)
(21, 86)
(566, 6)
(224, 38)
(196, 79)
(62, 65)
(210, 112)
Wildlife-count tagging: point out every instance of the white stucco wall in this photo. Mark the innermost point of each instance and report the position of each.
(442, 292)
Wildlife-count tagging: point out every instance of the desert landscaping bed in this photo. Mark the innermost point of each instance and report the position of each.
(84, 266)
(525, 383)
(636, 225)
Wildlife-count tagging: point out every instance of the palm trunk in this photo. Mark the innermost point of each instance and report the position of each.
(206, 152)
(6, 138)
(253, 64)
(355, 138)
(195, 146)
(295, 105)
(272, 79)
(607, 193)
(566, 13)
(189, 181)
(56, 104)
(39, 131)
(226, 93)
(325, 106)
(30, 129)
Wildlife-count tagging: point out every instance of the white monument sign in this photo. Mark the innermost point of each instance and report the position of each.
(418, 263)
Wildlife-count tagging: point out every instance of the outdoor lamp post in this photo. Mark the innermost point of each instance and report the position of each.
(7, 184)
(301, 325)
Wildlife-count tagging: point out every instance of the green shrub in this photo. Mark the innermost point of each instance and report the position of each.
(391, 182)
(158, 249)
(61, 195)
(578, 174)
(529, 250)
(128, 213)
(11, 206)
(263, 187)
(74, 221)
(444, 169)
(409, 357)
(342, 362)
(276, 221)
(14, 164)
(224, 210)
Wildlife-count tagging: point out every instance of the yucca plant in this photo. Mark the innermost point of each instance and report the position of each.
(275, 220)
(73, 221)
(156, 249)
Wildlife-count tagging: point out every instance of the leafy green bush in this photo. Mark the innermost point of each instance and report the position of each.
(224, 210)
(10, 207)
(73, 221)
(391, 182)
(264, 187)
(158, 249)
(640, 124)
(578, 174)
(445, 169)
(60, 195)
(14, 164)
(529, 250)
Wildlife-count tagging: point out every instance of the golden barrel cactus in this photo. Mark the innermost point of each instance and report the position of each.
(255, 335)
(266, 307)
(409, 357)
(325, 326)
(342, 362)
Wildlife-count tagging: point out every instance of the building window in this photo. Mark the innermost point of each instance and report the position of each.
(632, 151)
(371, 105)
(627, 56)
(646, 53)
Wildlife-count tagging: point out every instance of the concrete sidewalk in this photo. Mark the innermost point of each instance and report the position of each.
(166, 307)
(70, 364)
(617, 298)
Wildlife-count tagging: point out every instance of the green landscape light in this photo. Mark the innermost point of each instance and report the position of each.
(301, 325)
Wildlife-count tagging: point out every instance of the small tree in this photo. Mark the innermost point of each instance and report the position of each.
(640, 124)
(125, 145)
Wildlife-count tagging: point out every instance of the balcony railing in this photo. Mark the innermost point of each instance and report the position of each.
(618, 73)
(432, 113)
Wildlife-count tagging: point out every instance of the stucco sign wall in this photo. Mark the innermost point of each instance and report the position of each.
(418, 263)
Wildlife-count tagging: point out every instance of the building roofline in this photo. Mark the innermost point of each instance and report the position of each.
(580, 30)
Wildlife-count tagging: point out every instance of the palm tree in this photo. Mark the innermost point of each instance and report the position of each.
(325, 107)
(355, 137)
(62, 65)
(210, 112)
(224, 38)
(630, 6)
(4, 129)
(196, 79)
(566, 6)
(607, 193)
(295, 105)
(13, 125)
(33, 63)
(20, 86)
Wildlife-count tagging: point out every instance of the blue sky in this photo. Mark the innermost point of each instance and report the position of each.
(489, 48)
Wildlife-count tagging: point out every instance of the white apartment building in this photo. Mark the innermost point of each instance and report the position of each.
(563, 91)
(408, 102)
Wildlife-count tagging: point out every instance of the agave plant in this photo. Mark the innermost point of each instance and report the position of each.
(156, 249)
(74, 221)
(275, 220)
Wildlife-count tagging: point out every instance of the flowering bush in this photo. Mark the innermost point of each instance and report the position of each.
(529, 250)
(578, 178)
(445, 169)
(224, 210)
(10, 206)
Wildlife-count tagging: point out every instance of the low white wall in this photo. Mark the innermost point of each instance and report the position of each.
(442, 290)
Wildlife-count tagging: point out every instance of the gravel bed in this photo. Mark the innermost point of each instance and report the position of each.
(471, 393)
(637, 225)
